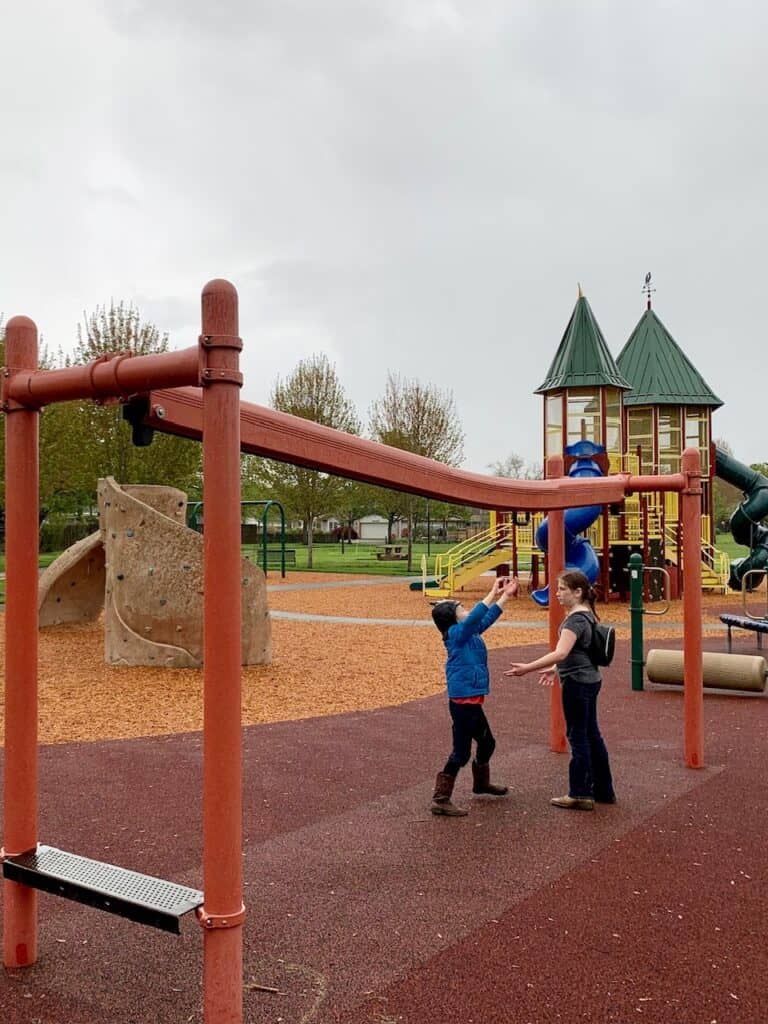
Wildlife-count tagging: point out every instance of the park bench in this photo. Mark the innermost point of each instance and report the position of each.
(758, 626)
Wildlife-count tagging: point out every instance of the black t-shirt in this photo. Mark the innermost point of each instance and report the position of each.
(577, 666)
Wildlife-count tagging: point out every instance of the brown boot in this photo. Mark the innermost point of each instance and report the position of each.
(481, 781)
(441, 798)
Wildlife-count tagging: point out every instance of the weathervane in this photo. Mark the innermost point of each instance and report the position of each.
(647, 288)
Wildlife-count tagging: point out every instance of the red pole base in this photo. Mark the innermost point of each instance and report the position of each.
(223, 975)
(19, 925)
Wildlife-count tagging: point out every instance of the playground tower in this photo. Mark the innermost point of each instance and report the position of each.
(668, 408)
(583, 391)
(643, 408)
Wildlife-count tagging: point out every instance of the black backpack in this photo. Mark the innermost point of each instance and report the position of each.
(602, 646)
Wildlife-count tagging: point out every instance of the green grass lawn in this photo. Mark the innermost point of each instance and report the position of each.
(361, 558)
(726, 543)
(355, 558)
(43, 560)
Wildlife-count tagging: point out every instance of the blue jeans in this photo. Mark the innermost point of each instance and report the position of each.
(589, 773)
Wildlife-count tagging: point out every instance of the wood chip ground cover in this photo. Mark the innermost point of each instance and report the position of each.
(318, 668)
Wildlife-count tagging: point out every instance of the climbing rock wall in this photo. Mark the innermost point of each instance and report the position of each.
(71, 589)
(145, 568)
(153, 595)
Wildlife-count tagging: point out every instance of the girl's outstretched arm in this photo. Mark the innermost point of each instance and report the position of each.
(565, 645)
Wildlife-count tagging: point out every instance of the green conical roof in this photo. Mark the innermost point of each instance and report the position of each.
(582, 359)
(658, 370)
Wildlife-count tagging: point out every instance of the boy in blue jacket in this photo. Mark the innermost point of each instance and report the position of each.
(466, 673)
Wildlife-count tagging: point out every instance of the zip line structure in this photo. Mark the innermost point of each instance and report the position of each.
(194, 393)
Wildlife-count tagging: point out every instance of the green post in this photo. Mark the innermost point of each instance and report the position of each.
(636, 619)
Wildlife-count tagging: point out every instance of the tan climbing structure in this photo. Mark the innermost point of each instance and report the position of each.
(145, 568)
(71, 589)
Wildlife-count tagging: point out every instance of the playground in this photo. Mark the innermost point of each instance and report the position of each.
(362, 907)
(278, 775)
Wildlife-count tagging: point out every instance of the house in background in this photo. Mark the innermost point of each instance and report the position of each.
(374, 528)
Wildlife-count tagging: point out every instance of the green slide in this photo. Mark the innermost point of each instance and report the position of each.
(745, 521)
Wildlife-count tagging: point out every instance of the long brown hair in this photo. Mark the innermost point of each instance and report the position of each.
(573, 579)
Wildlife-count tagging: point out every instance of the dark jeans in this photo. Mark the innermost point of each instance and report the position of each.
(589, 773)
(469, 723)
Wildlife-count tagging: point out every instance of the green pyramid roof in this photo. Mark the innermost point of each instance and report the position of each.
(582, 359)
(658, 370)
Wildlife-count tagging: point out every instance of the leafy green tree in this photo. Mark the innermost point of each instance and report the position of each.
(81, 441)
(312, 391)
(93, 439)
(725, 496)
(355, 500)
(421, 419)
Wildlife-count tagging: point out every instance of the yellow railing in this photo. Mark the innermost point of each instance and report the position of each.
(718, 563)
(671, 506)
(625, 463)
(525, 533)
(713, 561)
(450, 562)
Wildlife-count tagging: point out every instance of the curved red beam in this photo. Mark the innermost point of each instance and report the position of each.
(277, 435)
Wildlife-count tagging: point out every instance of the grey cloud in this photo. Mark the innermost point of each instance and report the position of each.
(413, 185)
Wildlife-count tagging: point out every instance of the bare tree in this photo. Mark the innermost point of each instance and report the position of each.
(417, 418)
(516, 468)
(312, 391)
(118, 328)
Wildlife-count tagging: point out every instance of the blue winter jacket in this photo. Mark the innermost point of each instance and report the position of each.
(466, 670)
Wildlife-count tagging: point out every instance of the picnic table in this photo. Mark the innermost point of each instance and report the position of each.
(391, 553)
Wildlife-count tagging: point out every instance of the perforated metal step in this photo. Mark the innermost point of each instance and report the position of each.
(130, 894)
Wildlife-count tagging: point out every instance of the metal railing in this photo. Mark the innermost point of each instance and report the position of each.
(715, 562)
(449, 563)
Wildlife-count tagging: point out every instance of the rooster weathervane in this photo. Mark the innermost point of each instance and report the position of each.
(647, 288)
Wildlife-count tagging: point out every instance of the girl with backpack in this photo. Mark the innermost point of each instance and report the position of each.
(573, 660)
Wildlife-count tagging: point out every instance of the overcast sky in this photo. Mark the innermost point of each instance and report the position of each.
(406, 185)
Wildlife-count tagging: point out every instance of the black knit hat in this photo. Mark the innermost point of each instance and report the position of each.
(444, 614)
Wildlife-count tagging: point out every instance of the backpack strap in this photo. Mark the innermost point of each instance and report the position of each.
(592, 622)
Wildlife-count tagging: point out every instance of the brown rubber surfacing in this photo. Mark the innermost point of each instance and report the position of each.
(365, 909)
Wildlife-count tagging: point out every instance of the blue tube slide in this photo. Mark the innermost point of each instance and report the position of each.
(579, 553)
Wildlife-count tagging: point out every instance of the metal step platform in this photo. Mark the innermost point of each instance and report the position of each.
(138, 897)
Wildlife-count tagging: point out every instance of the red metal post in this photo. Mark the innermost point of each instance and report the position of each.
(222, 914)
(693, 672)
(21, 555)
(555, 565)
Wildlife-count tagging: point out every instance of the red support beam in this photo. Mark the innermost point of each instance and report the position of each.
(223, 911)
(21, 557)
(277, 435)
(110, 376)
